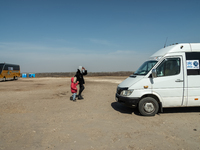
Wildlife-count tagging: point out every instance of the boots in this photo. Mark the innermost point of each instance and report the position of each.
(80, 97)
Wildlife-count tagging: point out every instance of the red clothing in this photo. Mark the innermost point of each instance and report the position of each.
(73, 86)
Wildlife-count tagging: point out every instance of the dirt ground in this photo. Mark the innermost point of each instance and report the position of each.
(36, 113)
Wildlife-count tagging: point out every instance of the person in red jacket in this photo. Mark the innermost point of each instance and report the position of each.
(74, 83)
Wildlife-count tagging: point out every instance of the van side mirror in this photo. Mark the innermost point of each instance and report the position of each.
(154, 73)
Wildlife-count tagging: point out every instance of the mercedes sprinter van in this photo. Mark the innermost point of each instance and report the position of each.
(170, 78)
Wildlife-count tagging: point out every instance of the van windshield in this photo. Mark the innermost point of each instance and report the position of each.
(145, 68)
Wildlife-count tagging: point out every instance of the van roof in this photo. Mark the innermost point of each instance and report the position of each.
(182, 47)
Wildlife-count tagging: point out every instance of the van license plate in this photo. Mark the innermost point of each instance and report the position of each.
(116, 99)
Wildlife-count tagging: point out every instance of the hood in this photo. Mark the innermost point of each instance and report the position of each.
(72, 79)
(130, 81)
(79, 68)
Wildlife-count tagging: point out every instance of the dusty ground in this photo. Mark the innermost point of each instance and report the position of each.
(37, 114)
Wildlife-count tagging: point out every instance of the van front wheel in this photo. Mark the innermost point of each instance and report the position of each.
(148, 106)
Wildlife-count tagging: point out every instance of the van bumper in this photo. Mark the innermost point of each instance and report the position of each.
(128, 101)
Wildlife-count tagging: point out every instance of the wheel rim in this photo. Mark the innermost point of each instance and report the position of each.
(149, 107)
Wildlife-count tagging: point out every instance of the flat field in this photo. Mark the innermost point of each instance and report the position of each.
(36, 113)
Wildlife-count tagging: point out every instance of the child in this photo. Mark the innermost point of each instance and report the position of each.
(74, 88)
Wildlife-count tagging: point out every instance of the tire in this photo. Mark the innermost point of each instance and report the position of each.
(15, 78)
(148, 106)
(4, 79)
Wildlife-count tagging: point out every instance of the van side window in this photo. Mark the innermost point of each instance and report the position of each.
(169, 67)
(191, 59)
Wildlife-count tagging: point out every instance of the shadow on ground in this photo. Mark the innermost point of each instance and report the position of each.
(124, 109)
(1, 80)
(181, 110)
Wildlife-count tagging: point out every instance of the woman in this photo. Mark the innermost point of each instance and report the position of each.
(81, 71)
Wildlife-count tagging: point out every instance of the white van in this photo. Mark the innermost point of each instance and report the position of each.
(170, 78)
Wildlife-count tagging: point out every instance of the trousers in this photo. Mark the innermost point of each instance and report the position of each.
(81, 88)
(74, 96)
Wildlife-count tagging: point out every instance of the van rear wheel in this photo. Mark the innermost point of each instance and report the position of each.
(148, 106)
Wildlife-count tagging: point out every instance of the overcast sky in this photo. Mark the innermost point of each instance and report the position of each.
(101, 35)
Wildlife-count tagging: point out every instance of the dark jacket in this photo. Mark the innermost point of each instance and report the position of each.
(80, 75)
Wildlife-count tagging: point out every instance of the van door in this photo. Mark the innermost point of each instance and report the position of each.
(193, 78)
(169, 82)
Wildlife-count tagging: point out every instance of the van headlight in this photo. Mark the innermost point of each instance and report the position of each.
(126, 92)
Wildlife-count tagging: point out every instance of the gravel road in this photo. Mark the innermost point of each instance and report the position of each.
(37, 114)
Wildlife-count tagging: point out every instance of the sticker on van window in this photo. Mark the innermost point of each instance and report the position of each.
(192, 64)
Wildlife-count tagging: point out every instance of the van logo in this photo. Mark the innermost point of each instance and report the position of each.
(192, 64)
(195, 63)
